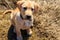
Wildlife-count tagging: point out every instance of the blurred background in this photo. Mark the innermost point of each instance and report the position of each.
(46, 21)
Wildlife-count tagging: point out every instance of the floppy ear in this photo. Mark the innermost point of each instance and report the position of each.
(36, 7)
(19, 3)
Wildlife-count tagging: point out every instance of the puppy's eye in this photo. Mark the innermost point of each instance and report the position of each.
(25, 8)
(32, 9)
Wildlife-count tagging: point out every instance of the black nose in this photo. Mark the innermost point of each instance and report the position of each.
(28, 17)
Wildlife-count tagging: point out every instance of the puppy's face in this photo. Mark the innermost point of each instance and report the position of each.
(27, 9)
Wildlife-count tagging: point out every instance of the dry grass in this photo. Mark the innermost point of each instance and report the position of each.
(46, 25)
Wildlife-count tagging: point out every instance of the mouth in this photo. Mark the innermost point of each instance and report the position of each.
(29, 19)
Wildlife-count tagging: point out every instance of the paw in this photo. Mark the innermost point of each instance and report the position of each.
(29, 33)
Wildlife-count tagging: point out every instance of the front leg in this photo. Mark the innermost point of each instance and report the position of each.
(29, 32)
(18, 32)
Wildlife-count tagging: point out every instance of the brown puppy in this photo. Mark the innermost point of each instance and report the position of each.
(22, 16)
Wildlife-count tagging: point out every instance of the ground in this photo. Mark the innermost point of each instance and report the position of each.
(46, 21)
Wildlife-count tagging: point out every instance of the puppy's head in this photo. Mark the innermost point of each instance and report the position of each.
(27, 9)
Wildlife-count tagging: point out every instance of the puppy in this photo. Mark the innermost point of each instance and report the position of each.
(22, 16)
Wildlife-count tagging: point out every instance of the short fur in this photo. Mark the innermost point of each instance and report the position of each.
(20, 23)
